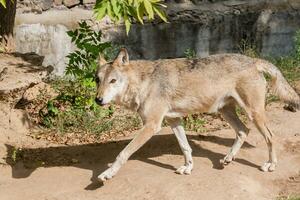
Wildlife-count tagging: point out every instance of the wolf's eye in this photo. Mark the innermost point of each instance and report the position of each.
(97, 80)
(113, 80)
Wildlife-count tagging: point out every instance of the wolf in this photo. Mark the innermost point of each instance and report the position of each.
(172, 88)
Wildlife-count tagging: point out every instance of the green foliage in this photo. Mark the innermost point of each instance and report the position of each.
(129, 10)
(3, 3)
(292, 197)
(289, 66)
(190, 53)
(16, 154)
(297, 45)
(83, 62)
(194, 123)
(248, 49)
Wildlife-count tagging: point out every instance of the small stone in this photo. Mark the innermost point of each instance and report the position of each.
(89, 1)
(46, 4)
(74, 160)
(71, 3)
(58, 2)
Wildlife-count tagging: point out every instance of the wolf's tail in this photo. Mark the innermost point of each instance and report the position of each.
(279, 84)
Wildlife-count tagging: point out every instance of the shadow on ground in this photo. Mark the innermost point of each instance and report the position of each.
(95, 157)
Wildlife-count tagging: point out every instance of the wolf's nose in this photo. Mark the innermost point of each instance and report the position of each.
(99, 101)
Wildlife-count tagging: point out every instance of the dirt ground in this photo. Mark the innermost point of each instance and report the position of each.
(48, 171)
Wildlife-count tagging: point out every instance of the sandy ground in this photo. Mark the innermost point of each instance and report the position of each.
(69, 172)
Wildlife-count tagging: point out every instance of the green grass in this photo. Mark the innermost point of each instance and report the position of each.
(289, 66)
(194, 123)
(289, 198)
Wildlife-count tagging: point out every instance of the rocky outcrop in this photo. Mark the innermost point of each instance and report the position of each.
(21, 73)
(39, 6)
(216, 28)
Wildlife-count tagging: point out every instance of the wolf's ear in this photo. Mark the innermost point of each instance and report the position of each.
(122, 58)
(101, 60)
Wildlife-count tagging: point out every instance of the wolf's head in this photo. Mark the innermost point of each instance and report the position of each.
(111, 79)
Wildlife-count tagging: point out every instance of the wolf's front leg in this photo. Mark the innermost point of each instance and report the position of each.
(184, 145)
(142, 137)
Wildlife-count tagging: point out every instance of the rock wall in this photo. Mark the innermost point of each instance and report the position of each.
(39, 6)
(207, 27)
(50, 41)
(270, 32)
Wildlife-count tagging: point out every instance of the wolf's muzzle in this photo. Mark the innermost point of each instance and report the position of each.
(99, 101)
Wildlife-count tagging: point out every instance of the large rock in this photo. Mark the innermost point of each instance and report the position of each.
(50, 41)
(19, 75)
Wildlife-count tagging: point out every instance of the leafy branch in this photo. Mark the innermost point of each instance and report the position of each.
(3, 3)
(129, 11)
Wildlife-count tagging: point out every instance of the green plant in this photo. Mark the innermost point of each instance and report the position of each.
(289, 66)
(190, 53)
(248, 49)
(16, 154)
(83, 62)
(129, 10)
(194, 123)
(297, 45)
(292, 197)
(3, 3)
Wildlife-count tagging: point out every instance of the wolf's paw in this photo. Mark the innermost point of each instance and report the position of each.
(185, 169)
(106, 175)
(226, 160)
(268, 166)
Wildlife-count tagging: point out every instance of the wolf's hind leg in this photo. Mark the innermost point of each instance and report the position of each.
(179, 132)
(260, 122)
(229, 114)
